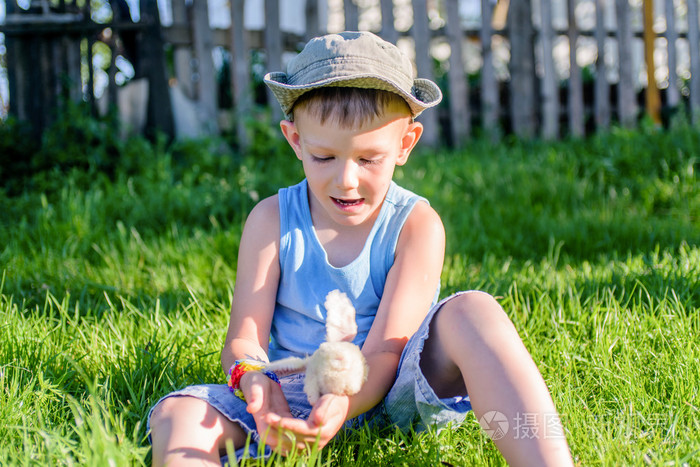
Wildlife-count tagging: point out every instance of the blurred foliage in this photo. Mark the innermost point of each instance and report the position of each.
(17, 150)
(144, 184)
(75, 142)
(625, 190)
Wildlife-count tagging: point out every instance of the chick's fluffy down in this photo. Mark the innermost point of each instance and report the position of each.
(337, 368)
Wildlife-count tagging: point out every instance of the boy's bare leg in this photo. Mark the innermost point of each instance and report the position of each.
(472, 342)
(187, 430)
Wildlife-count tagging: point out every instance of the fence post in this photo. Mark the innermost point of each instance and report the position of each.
(389, 32)
(576, 117)
(73, 68)
(602, 88)
(652, 97)
(424, 65)
(549, 91)
(47, 77)
(522, 68)
(11, 63)
(207, 92)
(90, 67)
(672, 94)
(626, 96)
(489, 86)
(352, 15)
(109, 40)
(240, 65)
(15, 78)
(273, 48)
(460, 127)
(313, 27)
(159, 114)
(694, 46)
(183, 55)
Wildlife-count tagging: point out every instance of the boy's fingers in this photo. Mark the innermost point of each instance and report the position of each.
(319, 414)
(327, 409)
(272, 419)
(255, 396)
(297, 426)
(296, 435)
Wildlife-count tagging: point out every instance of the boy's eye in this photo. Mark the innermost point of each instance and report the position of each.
(322, 159)
(370, 161)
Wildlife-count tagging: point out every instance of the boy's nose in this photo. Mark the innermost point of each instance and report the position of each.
(347, 175)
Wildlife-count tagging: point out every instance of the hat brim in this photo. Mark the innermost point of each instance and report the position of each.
(423, 95)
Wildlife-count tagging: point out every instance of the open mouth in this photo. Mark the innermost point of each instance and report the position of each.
(348, 202)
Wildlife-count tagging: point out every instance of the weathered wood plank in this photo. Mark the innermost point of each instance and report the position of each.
(576, 110)
(42, 68)
(91, 73)
(111, 74)
(182, 54)
(626, 98)
(73, 69)
(32, 107)
(652, 96)
(240, 71)
(90, 39)
(549, 92)
(352, 15)
(424, 66)
(460, 126)
(313, 26)
(180, 35)
(12, 63)
(489, 85)
(672, 93)
(389, 32)
(207, 87)
(522, 68)
(14, 80)
(602, 87)
(159, 114)
(694, 47)
(273, 49)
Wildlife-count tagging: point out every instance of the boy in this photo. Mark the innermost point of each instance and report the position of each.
(350, 101)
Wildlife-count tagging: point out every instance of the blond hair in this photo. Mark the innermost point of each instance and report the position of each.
(349, 107)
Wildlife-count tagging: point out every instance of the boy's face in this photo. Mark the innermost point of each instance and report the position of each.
(349, 170)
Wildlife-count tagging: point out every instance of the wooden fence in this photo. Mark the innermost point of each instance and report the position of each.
(530, 78)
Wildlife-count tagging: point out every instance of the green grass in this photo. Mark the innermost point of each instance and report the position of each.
(115, 290)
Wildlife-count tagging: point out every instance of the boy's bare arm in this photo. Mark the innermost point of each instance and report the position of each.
(408, 293)
(257, 279)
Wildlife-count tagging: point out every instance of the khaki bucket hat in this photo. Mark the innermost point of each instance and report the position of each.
(352, 59)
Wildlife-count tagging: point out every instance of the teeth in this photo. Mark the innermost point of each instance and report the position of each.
(346, 203)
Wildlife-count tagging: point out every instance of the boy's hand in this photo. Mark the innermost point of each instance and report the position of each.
(265, 401)
(327, 417)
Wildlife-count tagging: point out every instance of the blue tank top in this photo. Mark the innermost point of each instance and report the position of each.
(306, 276)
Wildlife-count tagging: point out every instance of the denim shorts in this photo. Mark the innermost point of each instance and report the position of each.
(410, 403)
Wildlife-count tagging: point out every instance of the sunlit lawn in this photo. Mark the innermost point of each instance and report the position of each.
(115, 291)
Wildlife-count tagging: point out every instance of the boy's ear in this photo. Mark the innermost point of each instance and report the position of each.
(291, 134)
(408, 141)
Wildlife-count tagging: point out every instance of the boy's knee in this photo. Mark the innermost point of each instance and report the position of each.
(473, 309)
(163, 410)
(469, 303)
(173, 407)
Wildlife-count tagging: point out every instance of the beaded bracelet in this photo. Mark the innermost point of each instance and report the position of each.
(241, 367)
